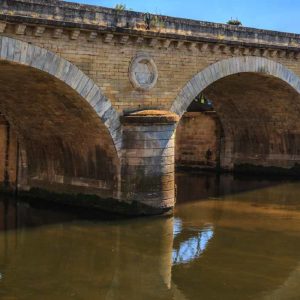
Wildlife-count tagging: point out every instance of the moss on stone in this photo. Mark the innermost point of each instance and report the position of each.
(91, 202)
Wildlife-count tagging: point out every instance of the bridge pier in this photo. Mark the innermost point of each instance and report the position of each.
(147, 171)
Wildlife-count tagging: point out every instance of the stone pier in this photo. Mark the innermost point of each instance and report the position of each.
(148, 161)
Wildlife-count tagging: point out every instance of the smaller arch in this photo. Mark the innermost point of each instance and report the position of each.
(23, 53)
(227, 67)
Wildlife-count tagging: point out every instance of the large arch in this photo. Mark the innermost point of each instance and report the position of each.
(227, 67)
(27, 54)
(68, 131)
(257, 102)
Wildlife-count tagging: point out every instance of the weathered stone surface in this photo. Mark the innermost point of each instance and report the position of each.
(64, 145)
(156, 161)
(197, 133)
(147, 162)
(150, 135)
(147, 117)
(259, 118)
(65, 83)
(8, 153)
(148, 152)
(231, 66)
(152, 143)
(40, 58)
(149, 170)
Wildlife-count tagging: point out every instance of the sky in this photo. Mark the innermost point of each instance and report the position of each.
(280, 15)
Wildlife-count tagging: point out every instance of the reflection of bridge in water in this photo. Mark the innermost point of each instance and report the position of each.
(142, 259)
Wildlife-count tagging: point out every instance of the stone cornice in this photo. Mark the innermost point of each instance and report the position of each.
(112, 25)
(150, 117)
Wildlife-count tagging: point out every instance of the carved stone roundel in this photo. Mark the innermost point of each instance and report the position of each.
(143, 72)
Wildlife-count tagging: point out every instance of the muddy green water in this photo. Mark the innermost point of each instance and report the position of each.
(229, 239)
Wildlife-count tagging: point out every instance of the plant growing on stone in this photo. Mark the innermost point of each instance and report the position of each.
(153, 21)
(235, 22)
(158, 22)
(120, 7)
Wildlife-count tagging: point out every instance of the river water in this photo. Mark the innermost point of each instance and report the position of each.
(229, 239)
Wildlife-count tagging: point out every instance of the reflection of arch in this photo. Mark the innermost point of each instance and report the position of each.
(227, 67)
(23, 53)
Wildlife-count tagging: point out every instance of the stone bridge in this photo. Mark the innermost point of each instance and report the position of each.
(91, 98)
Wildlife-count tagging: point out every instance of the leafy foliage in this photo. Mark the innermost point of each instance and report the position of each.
(235, 22)
(120, 7)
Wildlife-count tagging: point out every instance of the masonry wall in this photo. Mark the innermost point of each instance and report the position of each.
(107, 64)
(8, 154)
(106, 61)
(197, 133)
(260, 120)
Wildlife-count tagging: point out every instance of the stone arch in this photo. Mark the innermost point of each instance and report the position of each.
(257, 134)
(16, 51)
(67, 132)
(227, 67)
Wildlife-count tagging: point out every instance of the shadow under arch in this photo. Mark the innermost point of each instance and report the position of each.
(227, 67)
(68, 130)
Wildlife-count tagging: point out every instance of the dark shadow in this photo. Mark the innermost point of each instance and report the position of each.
(202, 185)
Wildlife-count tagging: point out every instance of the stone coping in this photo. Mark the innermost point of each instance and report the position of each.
(150, 117)
(190, 114)
(88, 17)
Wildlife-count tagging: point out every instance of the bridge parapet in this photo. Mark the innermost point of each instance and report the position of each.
(128, 27)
